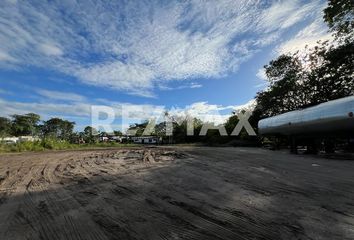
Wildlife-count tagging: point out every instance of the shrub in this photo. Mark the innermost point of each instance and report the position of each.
(53, 144)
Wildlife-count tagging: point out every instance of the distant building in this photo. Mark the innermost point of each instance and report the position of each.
(28, 139)
(112, 138)
(104, 139)
(10, 140)
(145, 139)
(134, 139)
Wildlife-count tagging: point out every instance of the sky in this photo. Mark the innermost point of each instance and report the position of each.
(205, 58)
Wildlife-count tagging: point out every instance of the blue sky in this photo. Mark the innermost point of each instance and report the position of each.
(58, 58)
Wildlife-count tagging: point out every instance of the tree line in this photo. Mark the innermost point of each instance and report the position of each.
(179, 130)
(30, 124)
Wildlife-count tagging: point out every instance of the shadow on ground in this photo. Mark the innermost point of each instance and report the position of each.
(185, 193)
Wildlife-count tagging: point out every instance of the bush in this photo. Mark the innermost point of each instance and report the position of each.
(27, 146)
(53, 144)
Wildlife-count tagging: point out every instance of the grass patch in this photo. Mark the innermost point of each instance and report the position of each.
(52, 144)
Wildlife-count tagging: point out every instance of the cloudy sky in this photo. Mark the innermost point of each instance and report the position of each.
(61, 57)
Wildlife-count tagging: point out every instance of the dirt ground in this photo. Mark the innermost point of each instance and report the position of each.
(175, 193)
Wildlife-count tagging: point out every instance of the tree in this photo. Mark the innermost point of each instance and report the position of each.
(5, 126)
(118, 133)
(327, 74)
(339, 15)
(25, 124)
(180, 126)
(58, 128)
(285, 92)
(90, 134)
(231, 123)
(138, 128)
(333, 77)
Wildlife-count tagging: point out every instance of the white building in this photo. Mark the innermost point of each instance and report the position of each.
(145, 139)
(19, 139)
(9, 140)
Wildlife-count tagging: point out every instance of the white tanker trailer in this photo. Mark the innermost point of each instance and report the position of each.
(333, 117)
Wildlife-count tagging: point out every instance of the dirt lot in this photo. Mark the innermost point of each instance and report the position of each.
(182, 193)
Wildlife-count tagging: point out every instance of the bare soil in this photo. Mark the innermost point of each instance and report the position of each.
(175, 193)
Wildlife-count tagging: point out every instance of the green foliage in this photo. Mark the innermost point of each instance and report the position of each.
(5, 127)
(339, 15)
(25, 124)
(58, 128)
(47, 143)
(324, 73)
(333, 77)
(231, 123)
(54, 144)
(180, 131)
(27, 146)
(118, 133)
(285, 87)
(90, 135)
(137, 129)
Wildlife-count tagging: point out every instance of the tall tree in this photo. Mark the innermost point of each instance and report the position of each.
(90, 134)
(138, 128)
(58, 128)
(324, 73)
(25, 124)
(5, 126)
(339, 15)
(333, 77)
(284, 92)
(117, 133)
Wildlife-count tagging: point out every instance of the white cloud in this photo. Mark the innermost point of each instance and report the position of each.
(128, 112)
(137, 45)
(195, 85)
(64, 96)
(262, 82)
(50, 49)
(119, 76)
(186, 86)
(284, 14)
(211, 112)
(5, 57)
(249, 106)
(15, 107)
(6, 92)
(261, 74)
(309, 37)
